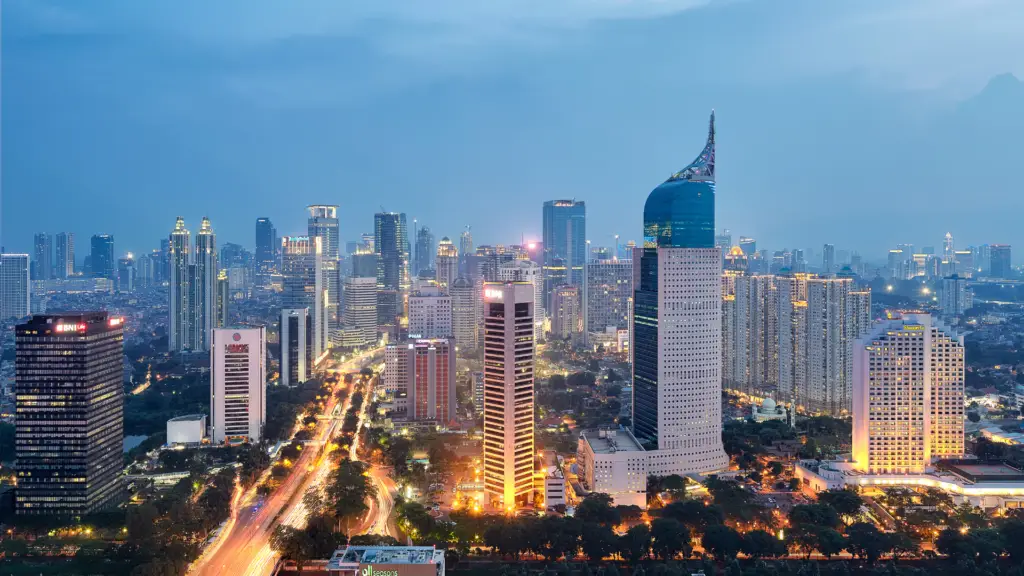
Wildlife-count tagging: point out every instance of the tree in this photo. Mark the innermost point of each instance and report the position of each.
(794, 484)
(1013, 535)
(845, 502)
(829, 542)
(974, 416)
(722, 541)
(322, 538)
(775, 468)
(292, 544)
(865, 541)
(694, 514)
(761, 544)
(556, 382)
(635, 544)
(669, 538)
(903, 545)
(598, 541)
(613, 376)
(988, 543)
(631, 513)
(820, 514)
(597, 508)
(954, 544)
(348, 490)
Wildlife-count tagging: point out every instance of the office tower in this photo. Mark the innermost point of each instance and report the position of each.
(999, 261)
(430, 313)
(424, 249)
(64, 263)
(724, 240)
(964, 263)
(608, 295)
(364, 264)
(223, 297)
(103, 262)
(983, 258)
(162, 272)
(908, 400)
(203, 288)
(566, 320)
(446, 263)
(508, 393)
(42, 262)
(465, 248)
(295, 338)
(302, 275)
(238, 384)
(677, 332)
(360, 314)
(266, 250)
(69, 413)
(465, 313)
(955, 297)
(948, 251)
(565, 243)
(126, 274)
(424, 370)
(828, 259)
(179, 324)
(15, 286)
(232, 254)
(323, 224)
(748, 245)
(391, 244)
(527, 271)
(895, 265)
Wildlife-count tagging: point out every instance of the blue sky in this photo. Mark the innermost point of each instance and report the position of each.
(862, 123)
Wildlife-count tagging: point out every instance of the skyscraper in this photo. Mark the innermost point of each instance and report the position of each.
(295, 337)
(391, 244)
(102, 256)
(608, 295)
(203, 293)
(430, 313)
(465, 315)
(508, 393)
(424, 249)
(828, 259)
(424, 370)
(360, 316)
(42, 263)
(748, 245)
(565, 243)
(566, 320)
(238, 384)
(323, 224)
(446, 263)
(223, 298)
(70, 408)
(908, 395)
(302, 274)
(955, 297)
(266, 250)
(126, 274)
(1000, 266)
(527, 271)
(64, 264)
(465, 249)
(180, 318)
(364, 263)
(15, 286)
(677, 334)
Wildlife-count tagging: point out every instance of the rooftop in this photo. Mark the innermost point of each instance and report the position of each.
(385, 555)
(188, 418)
(611, 441)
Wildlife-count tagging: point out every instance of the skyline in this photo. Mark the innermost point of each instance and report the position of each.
(200, 121)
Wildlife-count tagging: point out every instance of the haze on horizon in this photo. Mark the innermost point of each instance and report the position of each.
(859, 123)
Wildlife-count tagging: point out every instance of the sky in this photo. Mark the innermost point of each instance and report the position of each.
(862, 123)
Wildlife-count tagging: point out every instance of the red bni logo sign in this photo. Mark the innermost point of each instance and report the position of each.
(236, 336)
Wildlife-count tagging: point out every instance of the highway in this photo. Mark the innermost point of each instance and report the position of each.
(243, 546)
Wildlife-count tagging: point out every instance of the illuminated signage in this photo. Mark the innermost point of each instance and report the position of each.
(426, 569)
(493, 293)
(369, 571)
(69, 328)
(115, 322)
(237, 348)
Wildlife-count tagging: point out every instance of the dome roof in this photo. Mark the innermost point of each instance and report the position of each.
(768, 405)
(736, 251)
(462, 282)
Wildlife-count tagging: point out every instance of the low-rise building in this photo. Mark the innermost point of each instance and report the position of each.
(386, 561)
(550, 479)
(188, 429)
(612, 462)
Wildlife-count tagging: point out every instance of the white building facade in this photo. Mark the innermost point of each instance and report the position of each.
(238, 384)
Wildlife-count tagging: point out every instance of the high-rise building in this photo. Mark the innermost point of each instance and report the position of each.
(424, 370)
(360, 316)
(508, 393)
(126, 274)
(364, 263)
(955, 297)
(830, 336)
(391, 244)
(527, 271)
(828, 259)
(748, 245)
(908, 395)
(608, 295)
(948, 251)
(302, 275)
(295, 336)
(424, 249)
(724, 240)
(677, 333)
(180, 319)
(69, 413)
(223, 297)
(999, 261)
(566, 320)
(323, 224)
(42, 262)
(465, 249)
(102, 256)
(64, 264)
(565, 243)
(465, 313)
(964, 263)
(238, 384)
(15, 286)
(446, 263)
(430, 313)
(266, 250)
(750, 333)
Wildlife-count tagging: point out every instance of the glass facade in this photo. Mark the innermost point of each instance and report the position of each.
(69, 414)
